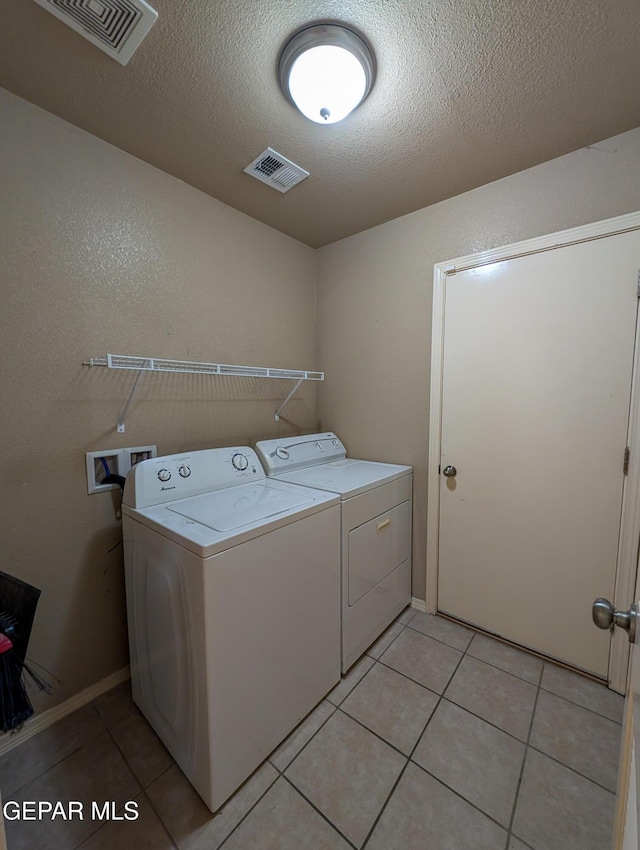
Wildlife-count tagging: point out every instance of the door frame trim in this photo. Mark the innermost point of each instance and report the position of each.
(630, 519)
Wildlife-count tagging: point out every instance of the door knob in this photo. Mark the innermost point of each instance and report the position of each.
(606, 617)
(449, 471)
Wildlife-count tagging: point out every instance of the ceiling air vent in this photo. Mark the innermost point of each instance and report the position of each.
(276, 170)
(115, 26)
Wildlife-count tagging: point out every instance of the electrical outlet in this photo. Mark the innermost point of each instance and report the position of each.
(114, 462)
(99, 466)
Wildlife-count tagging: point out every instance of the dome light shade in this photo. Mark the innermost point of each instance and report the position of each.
(326, 71)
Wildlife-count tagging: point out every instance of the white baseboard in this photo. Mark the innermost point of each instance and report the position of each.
(38, 722)
(419, 604)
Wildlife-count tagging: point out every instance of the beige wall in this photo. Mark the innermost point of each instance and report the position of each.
(375, 290)
(100, 252)
(103, 253)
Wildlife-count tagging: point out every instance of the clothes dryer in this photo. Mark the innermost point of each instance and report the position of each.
(233, 606)
(376, 502)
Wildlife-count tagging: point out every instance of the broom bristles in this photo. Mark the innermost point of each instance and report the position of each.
(15, 705)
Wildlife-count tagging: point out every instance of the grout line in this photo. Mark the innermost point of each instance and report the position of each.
(442, 697)
(502, 670)
(461, 797)
(250, 809)
(59, 759)
(126, 760)
(406, 676)
(324, 817)
(367, 729)
(529, 654)
(219, 811)
(165, 829)
(384, 805)
(375, 734)
(547, 659)
(526, 751)
(422, 685)
(306, 743)
(344, 679)
(413, 749)
(55, 764)
(377, 658)
(41, 721)
(448, 699)
(584, 707)
(158, 814)
(572, 769)
(408, 759)
(441, 640)
(484, 720)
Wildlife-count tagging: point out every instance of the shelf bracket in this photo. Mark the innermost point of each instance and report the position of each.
(120, 427)
(276, 415)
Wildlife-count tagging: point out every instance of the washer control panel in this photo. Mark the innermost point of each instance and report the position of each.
(164, 479)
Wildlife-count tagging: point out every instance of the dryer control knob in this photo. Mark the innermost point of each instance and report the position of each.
(164, 474)
(185, 471)
(282, 453)
(239, 461)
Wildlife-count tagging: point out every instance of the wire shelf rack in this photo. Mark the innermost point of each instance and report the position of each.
(142, 365)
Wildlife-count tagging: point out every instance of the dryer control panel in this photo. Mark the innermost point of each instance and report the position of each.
(164, 479)
(286, 454)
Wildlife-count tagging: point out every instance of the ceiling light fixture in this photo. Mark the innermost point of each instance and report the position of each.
(326, 70)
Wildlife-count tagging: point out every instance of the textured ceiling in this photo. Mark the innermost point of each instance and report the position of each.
(467, 91)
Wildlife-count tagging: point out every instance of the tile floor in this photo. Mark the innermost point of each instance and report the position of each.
(438, 739)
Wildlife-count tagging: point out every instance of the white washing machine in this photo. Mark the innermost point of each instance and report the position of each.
(233, 606)
(376, 501)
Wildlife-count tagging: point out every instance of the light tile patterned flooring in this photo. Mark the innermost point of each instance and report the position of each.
(438, 739)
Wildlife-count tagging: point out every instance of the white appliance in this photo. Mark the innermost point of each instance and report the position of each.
(376, 503)
(233, 607)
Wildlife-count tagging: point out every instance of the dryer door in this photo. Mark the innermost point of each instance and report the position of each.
(377, 548)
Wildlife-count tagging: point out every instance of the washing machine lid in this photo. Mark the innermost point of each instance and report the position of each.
(212, 522)
(227, 510)
(349, 476)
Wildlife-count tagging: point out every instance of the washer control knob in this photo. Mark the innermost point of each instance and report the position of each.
(164, 474)
(185, 471)
(335, 443)
(239, 461)
(320, 447)
(282, 453)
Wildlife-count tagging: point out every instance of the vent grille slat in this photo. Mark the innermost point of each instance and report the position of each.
(115, 26)
(124, 16)
(276, 170)
(269, 165)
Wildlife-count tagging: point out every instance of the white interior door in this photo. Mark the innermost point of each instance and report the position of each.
(536, 379)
